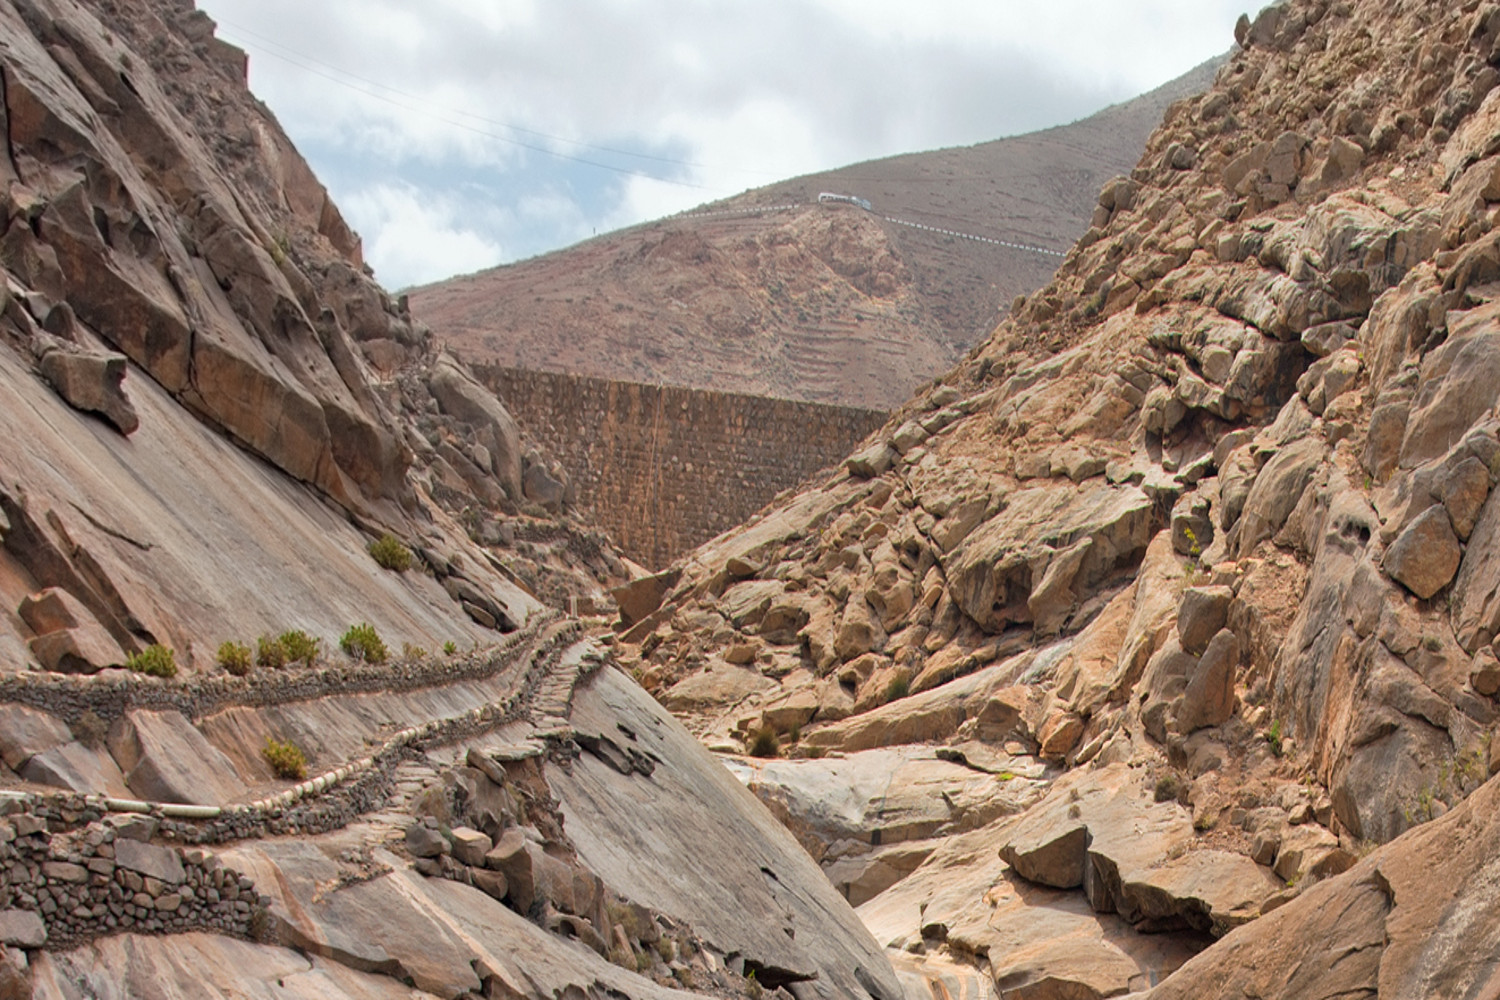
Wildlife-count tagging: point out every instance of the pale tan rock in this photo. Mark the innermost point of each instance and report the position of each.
(165, 759)
(1208, 699)
(792, 710)
(862, 877)
(26, 732)
(858, 632)
(1302, 848)
(470, 846)
(1201, 615)
(718, 686)
(1425, 557)
(1060, 735)
(1343, 934)
(990, 573)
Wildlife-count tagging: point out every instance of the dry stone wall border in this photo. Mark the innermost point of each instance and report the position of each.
(330, 800)
(116, 693)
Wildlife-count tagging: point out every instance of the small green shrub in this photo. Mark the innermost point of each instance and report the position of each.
(286, 759)
(450, 648)
(299, 647)
(763, 743)
(363, 643)
(234, 657)
(155, 660)
(1169, 787)
(270, 653)
(389, 553)
(1273, 737)
(90, 729)
(899, 687)
(411, 652)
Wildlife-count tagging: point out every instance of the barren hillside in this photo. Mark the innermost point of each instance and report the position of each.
(822, 304)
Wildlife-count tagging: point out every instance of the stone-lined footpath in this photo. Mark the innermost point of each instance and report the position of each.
(75, 867)
(114, 693)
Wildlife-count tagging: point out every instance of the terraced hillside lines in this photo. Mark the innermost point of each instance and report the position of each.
(754, 294)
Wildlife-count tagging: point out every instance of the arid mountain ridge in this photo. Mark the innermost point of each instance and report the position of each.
(818, 303)
(1148, 652)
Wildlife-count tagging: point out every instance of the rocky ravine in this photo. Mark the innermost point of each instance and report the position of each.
(1180, 591)
(212, 412)
(1152, 651)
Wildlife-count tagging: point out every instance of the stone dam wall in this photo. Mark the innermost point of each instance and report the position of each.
(665, 468)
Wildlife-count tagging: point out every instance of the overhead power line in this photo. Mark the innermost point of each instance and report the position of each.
(419, 105)
(406, 103)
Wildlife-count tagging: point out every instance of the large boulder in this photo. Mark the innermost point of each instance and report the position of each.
(1209, 697)
(26, 732)
(166, 759)
(69, 638)
(462, 398)
(1201, 615)
(1426, 555)
(993, 573)
(77, 768)
(91, 382)
(643, 595)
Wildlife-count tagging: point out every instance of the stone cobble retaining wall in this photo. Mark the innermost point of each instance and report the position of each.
(76, 867)
(114, 693)
(664, 468)
(61, 889)
(328, 801)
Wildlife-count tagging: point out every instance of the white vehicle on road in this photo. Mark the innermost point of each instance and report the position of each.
(828, 197)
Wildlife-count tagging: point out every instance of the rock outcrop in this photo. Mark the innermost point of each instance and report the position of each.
(1216, 503)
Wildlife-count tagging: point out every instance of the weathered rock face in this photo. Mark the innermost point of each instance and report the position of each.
(1218, 502)
(158, 228)
(1416, 918)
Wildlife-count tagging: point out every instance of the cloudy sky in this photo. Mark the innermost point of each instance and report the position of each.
(460, 134)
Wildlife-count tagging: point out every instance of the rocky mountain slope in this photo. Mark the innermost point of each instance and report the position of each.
(823, 304)
(1151, 649)
(283, 708)
(1150, 652)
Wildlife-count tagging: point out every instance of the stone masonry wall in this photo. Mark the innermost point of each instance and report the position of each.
(665, 468)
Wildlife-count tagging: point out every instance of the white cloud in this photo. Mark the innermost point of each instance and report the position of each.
(411, 239)
(416, 100)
